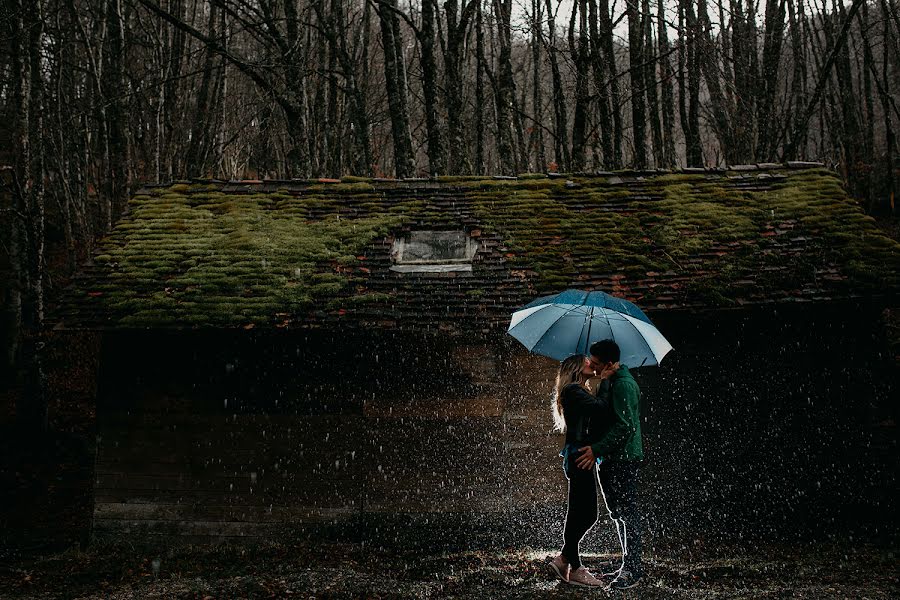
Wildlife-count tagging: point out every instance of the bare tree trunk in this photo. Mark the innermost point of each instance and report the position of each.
(709, 65)
(668, 80)
(802, 123)
(560, 121)
(636, 71)
(221, 115)
(851, 133)
(479, 92)
(606, 37)
(798, 77)
(689, 85)
(868, 138)
(335, 30)
(505, 89)
(12, 216)
(31, 406)
(650, 85)
(605, 119)
(174, 62)
(885, 94)
(437, 160)
(395, 76)
(518, 127)
(735, 112)
(292, 54)
(457, 25)
(769, 79)
(580, 58)
(537, 131)
(201, 124)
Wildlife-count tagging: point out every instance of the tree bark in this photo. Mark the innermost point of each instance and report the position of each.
(885, 94)
(769, 79)
(636, 71)
(479, 92)
(31, 405)
(201, 124)
(437, 160)
(395, 77)
(667, 81)
(505, 89)
(606, 36)
(650, 85)
(457, 24)
(801, 124)
(560, 119)
(580, 58)
(597, 68)
(689, 85)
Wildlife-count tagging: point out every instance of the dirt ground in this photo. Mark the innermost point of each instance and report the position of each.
(331, 569)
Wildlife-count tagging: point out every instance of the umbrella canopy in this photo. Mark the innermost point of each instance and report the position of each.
(569, 322)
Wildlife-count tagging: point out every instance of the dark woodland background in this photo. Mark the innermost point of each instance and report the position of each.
(98, 95)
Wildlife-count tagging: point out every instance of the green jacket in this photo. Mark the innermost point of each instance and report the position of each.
(622, 439)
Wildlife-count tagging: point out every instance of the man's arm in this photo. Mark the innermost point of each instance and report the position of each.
(622, 397)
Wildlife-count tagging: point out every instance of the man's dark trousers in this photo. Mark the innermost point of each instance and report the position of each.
(618, 482)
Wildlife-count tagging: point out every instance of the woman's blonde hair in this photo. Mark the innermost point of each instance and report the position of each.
(569, 372)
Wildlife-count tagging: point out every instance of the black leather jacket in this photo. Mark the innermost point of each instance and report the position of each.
(584, 413)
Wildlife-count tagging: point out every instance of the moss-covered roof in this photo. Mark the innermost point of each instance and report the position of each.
(318, 253)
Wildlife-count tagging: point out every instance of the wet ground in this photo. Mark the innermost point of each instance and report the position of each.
(356, 570)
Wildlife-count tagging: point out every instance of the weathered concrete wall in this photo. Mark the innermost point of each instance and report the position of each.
(759, 423)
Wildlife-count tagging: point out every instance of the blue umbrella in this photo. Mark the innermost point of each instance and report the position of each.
(569, 322)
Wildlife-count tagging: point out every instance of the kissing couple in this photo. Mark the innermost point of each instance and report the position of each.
(603, 445)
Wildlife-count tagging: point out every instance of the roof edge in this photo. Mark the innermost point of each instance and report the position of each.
(744, 168)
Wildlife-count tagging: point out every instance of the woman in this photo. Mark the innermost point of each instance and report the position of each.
(578, 413)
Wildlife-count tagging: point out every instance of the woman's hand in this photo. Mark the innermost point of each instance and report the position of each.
(605, 373)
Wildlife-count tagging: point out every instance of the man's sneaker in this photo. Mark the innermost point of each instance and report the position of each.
(625, 580)
(584, 578)
(561, 566)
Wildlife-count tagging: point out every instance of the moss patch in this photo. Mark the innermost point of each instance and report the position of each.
(219, 259)
(192, 253)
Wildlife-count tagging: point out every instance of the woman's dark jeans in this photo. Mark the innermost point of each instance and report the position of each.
(618, 483)
(582, 508)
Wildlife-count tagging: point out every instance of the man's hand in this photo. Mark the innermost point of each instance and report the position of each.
(585, 458)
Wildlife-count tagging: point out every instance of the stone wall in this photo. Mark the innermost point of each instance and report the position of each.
(759, 423)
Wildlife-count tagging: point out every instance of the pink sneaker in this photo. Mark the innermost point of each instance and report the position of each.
(584, 578)
(561, 566)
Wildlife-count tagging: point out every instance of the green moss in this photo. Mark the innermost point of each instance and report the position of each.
(190, 254)
(231, 255)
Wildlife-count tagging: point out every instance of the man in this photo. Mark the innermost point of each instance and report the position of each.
(620, 452)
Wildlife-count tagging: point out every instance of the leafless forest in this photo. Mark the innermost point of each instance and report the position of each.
(99, 95)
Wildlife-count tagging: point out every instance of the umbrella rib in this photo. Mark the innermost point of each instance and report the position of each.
(643, 339)
(550, 326)
(590, 321)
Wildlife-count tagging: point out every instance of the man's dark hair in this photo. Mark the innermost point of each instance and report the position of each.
(606, 351)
